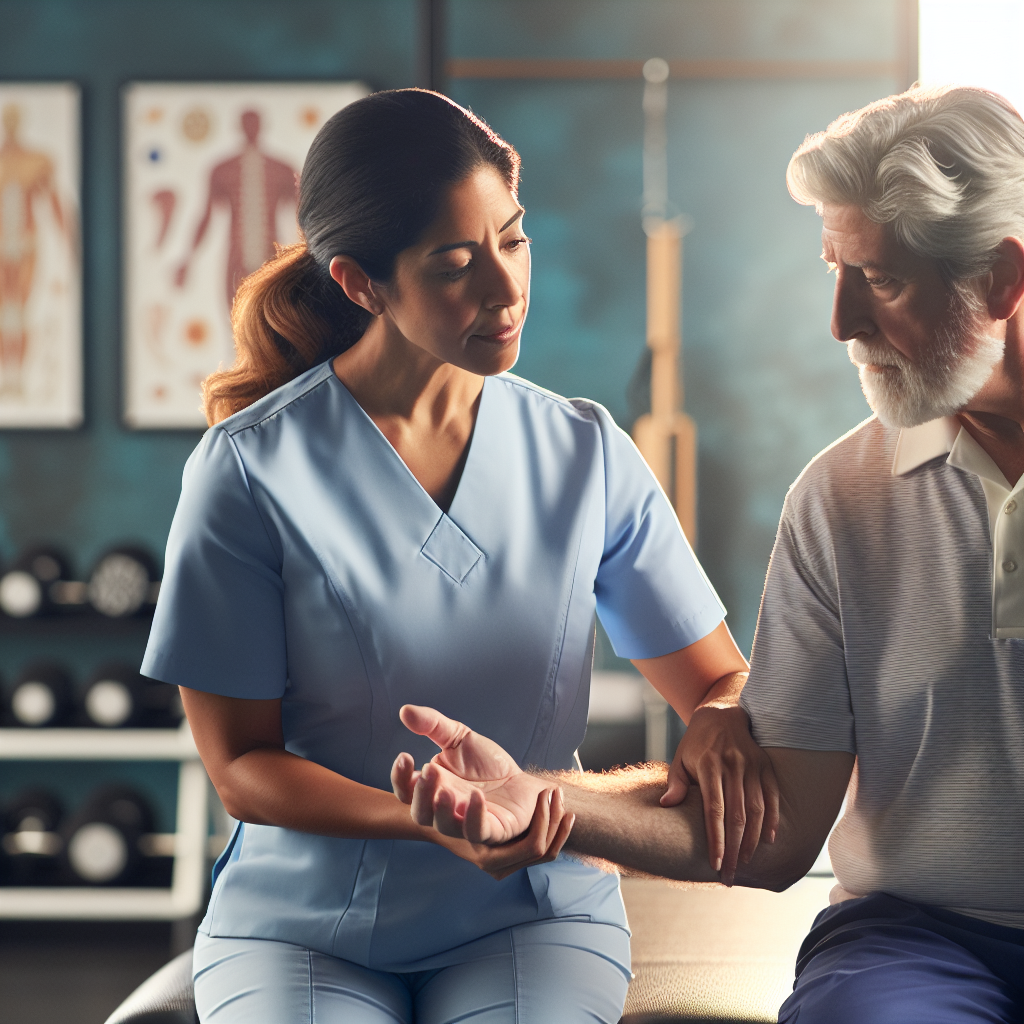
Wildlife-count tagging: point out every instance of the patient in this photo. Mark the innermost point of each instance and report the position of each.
(888, 664)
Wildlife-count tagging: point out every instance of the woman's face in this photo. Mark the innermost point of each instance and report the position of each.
(462, 291)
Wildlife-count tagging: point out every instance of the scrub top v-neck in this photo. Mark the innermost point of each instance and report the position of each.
(306, 562)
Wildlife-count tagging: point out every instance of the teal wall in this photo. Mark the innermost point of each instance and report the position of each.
(765, 382)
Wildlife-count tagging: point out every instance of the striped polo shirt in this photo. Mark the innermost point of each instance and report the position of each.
(880, 635)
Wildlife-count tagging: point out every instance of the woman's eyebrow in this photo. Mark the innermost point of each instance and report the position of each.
(471, 244)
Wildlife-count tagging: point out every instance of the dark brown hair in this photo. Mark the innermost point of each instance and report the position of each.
(372, 182)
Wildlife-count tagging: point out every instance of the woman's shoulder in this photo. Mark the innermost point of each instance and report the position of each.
(534, 397)
(282, 402)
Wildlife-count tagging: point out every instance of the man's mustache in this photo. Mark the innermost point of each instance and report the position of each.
(863, 353)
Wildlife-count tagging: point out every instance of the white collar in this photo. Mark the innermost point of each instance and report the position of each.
(968, 455)
(927, 441)
(920, 444)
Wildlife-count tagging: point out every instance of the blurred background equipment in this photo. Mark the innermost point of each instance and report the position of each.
(42, 697)
(32, 585)
(123, 581)
(102, 840)
(116, 696)
(666, 436)
(112, 698)
(30, 843)
(628, 722)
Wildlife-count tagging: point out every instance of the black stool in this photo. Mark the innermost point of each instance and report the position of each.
(165, 998)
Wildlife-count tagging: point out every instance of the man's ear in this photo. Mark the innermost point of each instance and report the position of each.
(355, 284)
(1006, 280)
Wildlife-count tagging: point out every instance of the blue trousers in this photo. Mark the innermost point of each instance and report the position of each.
(882, 960)
(540, 973)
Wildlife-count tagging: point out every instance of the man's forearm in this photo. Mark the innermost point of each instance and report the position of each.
(619, 819)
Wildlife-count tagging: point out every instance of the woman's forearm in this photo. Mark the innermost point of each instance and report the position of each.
(270, 786)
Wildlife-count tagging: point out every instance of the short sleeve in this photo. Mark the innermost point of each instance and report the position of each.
(219, 620)
(798, 693)
(652, 595)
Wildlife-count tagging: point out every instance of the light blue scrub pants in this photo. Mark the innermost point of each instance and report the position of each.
(538, 973)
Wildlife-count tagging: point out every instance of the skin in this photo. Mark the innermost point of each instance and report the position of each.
(883, 294)
(620, 818)
(451, 315)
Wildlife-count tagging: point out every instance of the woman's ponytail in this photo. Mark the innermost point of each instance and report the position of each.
(287, 316)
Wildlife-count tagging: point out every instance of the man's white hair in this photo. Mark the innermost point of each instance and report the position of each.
(944, 166)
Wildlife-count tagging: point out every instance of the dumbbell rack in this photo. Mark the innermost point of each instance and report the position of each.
(188, 844)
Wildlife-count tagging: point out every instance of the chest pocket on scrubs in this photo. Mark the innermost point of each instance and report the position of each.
(451, 550)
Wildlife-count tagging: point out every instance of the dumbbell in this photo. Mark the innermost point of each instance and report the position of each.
(42, 697)
(30, 840)
(33, 584)
(117, 696)
(123, 581)
(101, 841)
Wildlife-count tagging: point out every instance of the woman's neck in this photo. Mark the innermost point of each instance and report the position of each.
(392, 379)
(426, 408)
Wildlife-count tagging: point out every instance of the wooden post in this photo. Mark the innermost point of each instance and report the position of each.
(667, 437)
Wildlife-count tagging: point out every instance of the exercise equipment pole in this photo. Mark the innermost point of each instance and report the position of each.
(666, 437)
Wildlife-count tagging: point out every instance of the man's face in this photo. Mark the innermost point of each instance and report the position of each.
(923, 349)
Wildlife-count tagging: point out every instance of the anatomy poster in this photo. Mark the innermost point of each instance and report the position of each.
(40, 267)
(210, 186)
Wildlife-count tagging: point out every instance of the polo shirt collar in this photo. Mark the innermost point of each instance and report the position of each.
(918, 445)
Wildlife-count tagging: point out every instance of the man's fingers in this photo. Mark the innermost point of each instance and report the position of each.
(430, 723)
(402, 781)
(753, 803)
(476, 827)
(446, 820)
(424, 794)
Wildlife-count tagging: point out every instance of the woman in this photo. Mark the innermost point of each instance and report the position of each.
(380, 514)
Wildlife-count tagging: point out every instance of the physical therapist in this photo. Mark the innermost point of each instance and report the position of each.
(381, 514)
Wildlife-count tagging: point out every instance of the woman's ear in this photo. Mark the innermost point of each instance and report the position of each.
(355, 284)
(1006, 280)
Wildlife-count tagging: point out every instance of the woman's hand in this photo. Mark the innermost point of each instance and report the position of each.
(542, 842)
(737, 784)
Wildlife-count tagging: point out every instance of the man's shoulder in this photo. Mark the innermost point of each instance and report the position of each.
(857, 464)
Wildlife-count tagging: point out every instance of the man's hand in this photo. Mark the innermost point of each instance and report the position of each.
(472, 789)
(737, 784)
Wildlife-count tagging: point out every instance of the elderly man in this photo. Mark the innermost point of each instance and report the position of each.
(889, 658)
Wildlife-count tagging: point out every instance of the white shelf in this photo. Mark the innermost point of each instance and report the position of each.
(95, 904)
(190, 840)
(98, 744)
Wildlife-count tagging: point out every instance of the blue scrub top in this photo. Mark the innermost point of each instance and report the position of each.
(306, 562)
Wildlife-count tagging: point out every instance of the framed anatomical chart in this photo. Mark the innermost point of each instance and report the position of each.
(40, 266)
(210, 187)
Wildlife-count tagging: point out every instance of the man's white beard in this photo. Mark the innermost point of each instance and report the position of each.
(952, 372)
